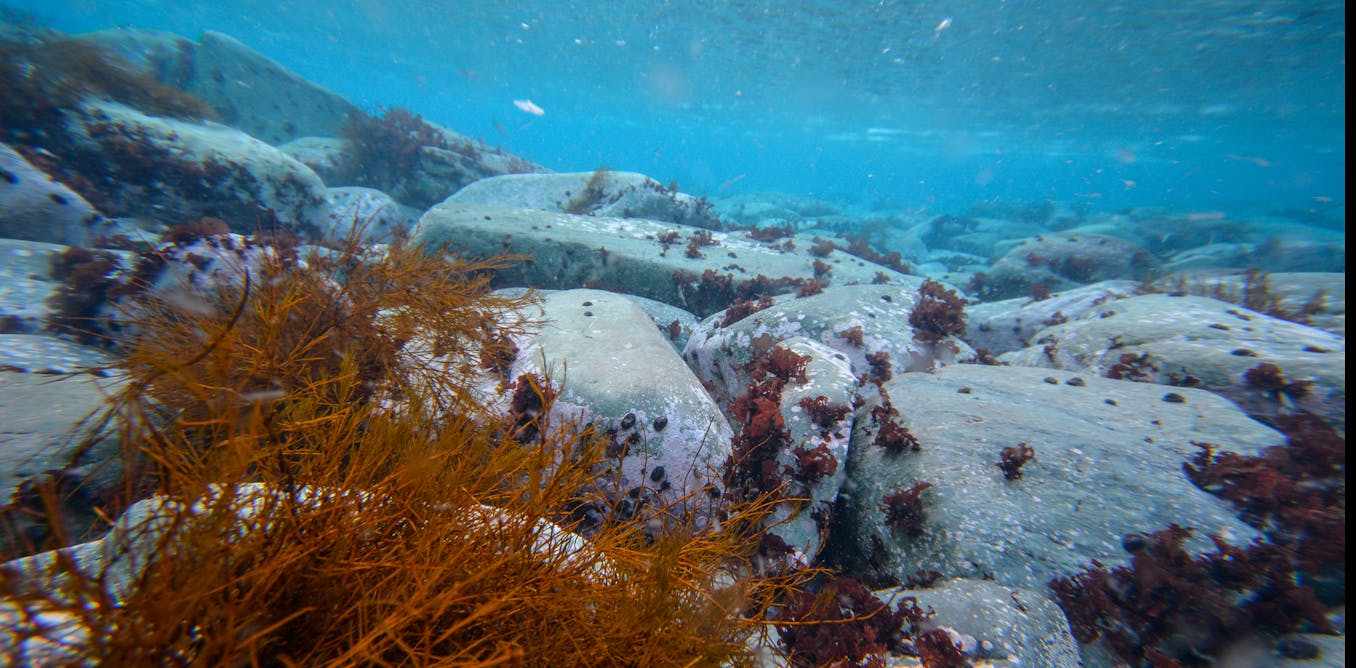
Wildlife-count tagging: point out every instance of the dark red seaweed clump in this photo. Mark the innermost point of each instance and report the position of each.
(1013, 458)
(938, 314)
(855, 624)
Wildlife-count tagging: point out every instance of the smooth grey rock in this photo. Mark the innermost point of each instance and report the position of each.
(1012, 324)
(25, 285)
(42, 354)
(1213, 342)
(611, 362)
(249, 91)
(439, 172)
(155, 53)
(324, 155)
(177, 171)
(1064, 260)
(257, 95)
(36, 207)
(802, 525)
(625, 255)
(1211, 256)
(376, 214)
(1315, 297)
(674, 323)
(882, 311)
(50, 435)
(1022, 626)
(761, 209)
(973, 235)
(601, 193)
(1108, 462)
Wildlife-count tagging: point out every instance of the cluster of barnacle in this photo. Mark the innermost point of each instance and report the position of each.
(1169, 607)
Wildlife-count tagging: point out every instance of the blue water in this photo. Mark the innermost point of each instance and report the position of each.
(1233, 105)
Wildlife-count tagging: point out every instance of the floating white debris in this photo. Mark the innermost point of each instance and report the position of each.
(530, 107)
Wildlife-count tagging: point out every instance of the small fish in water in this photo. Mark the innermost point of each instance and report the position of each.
(946, 23)
(530, 107)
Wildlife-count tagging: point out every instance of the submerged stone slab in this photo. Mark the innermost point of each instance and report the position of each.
(25, 284)
(1313, 298)
(881, 311)
(178, 171)
(372, 212)
(36, 207)
(1200, 342)
(630, 255)
(1062, 261)
(248, 90)
(261, 97)
(1108, 462)
(1022, 626)
(1012, 324)
(615, 369)
(802, 521)
(600, 193)
(49, 437)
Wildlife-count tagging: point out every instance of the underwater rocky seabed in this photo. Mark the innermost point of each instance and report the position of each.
(1014, 460)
